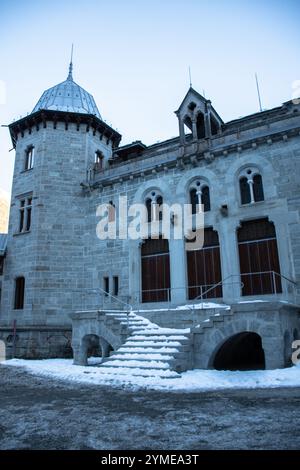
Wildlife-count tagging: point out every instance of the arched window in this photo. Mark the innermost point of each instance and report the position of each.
(154, 202)
(199, 194)
(19, 293)
(251, 186)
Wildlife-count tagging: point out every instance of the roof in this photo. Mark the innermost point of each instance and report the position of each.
(68, 96)
(3, 243)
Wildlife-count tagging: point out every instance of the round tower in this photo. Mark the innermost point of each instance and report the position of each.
(56, 145)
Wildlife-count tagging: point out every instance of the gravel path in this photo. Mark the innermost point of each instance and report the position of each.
(41, 413)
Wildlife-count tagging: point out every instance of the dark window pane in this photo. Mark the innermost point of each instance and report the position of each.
(193, 200)
(116, 285)
(21, 225)
(106, 285)
(19, 293)
(28, 219)
(258, 190)
(148, 207)
(205, 198)
(245, 191)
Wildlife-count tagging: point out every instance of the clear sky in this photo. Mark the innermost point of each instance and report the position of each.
(133, 56)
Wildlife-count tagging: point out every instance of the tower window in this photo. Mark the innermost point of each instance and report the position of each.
(19, 293)
(25, 214)
(99, 159)
(29, 158)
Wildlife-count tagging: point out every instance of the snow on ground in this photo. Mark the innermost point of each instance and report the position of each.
(191, 381)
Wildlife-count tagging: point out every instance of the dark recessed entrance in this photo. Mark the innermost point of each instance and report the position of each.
(242, 351)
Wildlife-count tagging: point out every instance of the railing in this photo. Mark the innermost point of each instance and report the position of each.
(261, 283)
(273, 283)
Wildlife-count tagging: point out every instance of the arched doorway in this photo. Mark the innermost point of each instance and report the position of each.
(242, 351)
(94, 349)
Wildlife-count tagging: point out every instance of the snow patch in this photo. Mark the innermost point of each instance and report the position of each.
(190, 381)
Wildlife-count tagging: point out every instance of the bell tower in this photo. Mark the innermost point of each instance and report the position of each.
(197, 115)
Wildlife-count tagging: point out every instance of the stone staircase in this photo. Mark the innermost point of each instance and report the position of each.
(148, 350)
(214, 320)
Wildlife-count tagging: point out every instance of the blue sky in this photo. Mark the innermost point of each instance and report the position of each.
(133, 56)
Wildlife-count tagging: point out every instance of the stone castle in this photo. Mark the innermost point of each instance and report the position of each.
(232, 303)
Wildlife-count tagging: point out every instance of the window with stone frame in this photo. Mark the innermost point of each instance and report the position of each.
(29, 158)
(199, 196)
(99, 160)
(19, 293)
(251, 186)
(25, 213)
(153, 203)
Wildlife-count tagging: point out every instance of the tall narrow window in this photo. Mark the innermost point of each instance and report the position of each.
(28, 214)
(194, 200)
(245, 191)
(258, 189)
(115, 285)
(25, 214)
(149, 208)
(251, 186)
(111, 211)
(29, 158)
(99, 159)
(106, 285)
(205, 199)
(22, 215)
(19, 293)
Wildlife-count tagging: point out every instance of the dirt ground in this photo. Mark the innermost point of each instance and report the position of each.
(42, 413)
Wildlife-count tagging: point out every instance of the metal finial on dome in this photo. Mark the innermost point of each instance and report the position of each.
(70, 76)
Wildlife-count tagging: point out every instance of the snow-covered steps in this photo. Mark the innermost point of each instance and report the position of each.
(150, 348)
(147, 348)
(137, 372)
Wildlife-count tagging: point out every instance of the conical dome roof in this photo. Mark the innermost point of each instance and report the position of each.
(68, 96)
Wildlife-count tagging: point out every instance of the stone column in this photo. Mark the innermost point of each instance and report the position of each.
(194, 129)
(207, 121)
(230, 264)
(181, 131)
(280, 221)
(178, 271)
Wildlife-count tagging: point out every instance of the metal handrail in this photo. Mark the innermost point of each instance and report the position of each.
(168, 290)
(222, 282)
(107, 294)
(269, 272)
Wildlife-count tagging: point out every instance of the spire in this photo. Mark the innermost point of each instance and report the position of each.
(70, 76)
